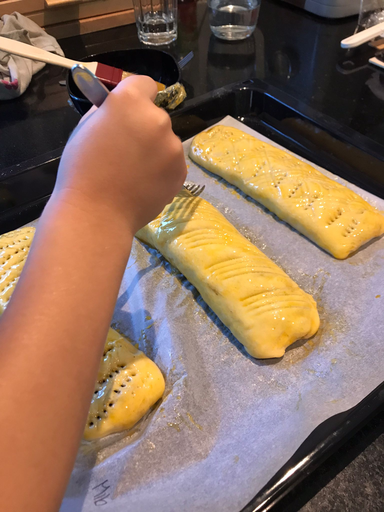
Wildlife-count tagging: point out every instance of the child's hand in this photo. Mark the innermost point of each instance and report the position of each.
(124, 159)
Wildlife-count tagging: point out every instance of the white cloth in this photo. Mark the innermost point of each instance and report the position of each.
(16, 72)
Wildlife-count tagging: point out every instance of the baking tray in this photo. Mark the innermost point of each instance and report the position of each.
(343, 152)
(25, 190)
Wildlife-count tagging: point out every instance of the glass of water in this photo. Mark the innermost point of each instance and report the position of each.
(156, 21)
(371, 13)
(233, 20)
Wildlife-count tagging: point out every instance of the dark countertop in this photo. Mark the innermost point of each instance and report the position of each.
(297, 53)
(351, 480)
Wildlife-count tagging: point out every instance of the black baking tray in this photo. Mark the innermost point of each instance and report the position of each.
(343, 152)
(25, 190)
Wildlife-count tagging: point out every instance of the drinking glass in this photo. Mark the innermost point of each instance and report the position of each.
(371, 13)
(233, 20)
(156, 21)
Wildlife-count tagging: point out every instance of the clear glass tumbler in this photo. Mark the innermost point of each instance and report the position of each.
(233, 20)
(371, 13)
(156, 21)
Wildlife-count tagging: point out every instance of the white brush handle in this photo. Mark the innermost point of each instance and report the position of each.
(377, 62)
(34, 53)
(363, 37)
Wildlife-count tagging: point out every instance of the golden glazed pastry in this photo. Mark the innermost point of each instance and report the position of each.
(128, 382)
(329, 214)
(128, 385)
(14, 248)
(265, 310)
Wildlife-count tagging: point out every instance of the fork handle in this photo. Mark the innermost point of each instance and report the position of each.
(89, 85)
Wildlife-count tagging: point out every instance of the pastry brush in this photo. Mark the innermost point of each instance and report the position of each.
(108, 75)
(96, 92)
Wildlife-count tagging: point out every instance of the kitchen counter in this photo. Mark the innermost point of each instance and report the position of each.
(292, 50)
(351, 480)
(299, 54)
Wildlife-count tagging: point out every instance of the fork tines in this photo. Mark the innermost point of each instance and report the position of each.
(194, 188)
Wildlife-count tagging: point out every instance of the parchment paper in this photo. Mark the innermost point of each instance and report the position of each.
(228, 422)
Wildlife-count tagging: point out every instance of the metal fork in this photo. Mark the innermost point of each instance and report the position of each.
(193, 188)
(96, 92)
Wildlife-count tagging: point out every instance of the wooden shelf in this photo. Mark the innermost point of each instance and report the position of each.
(66, 18)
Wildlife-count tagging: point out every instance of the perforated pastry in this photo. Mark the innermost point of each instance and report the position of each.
(329, 214)
(14, 247)
(128, 385)
(265, 310)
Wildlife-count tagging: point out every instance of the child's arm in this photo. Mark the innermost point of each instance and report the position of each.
(118, 171)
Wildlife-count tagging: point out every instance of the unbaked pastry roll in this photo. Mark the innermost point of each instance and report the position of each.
(264, 309)
(329, 214)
